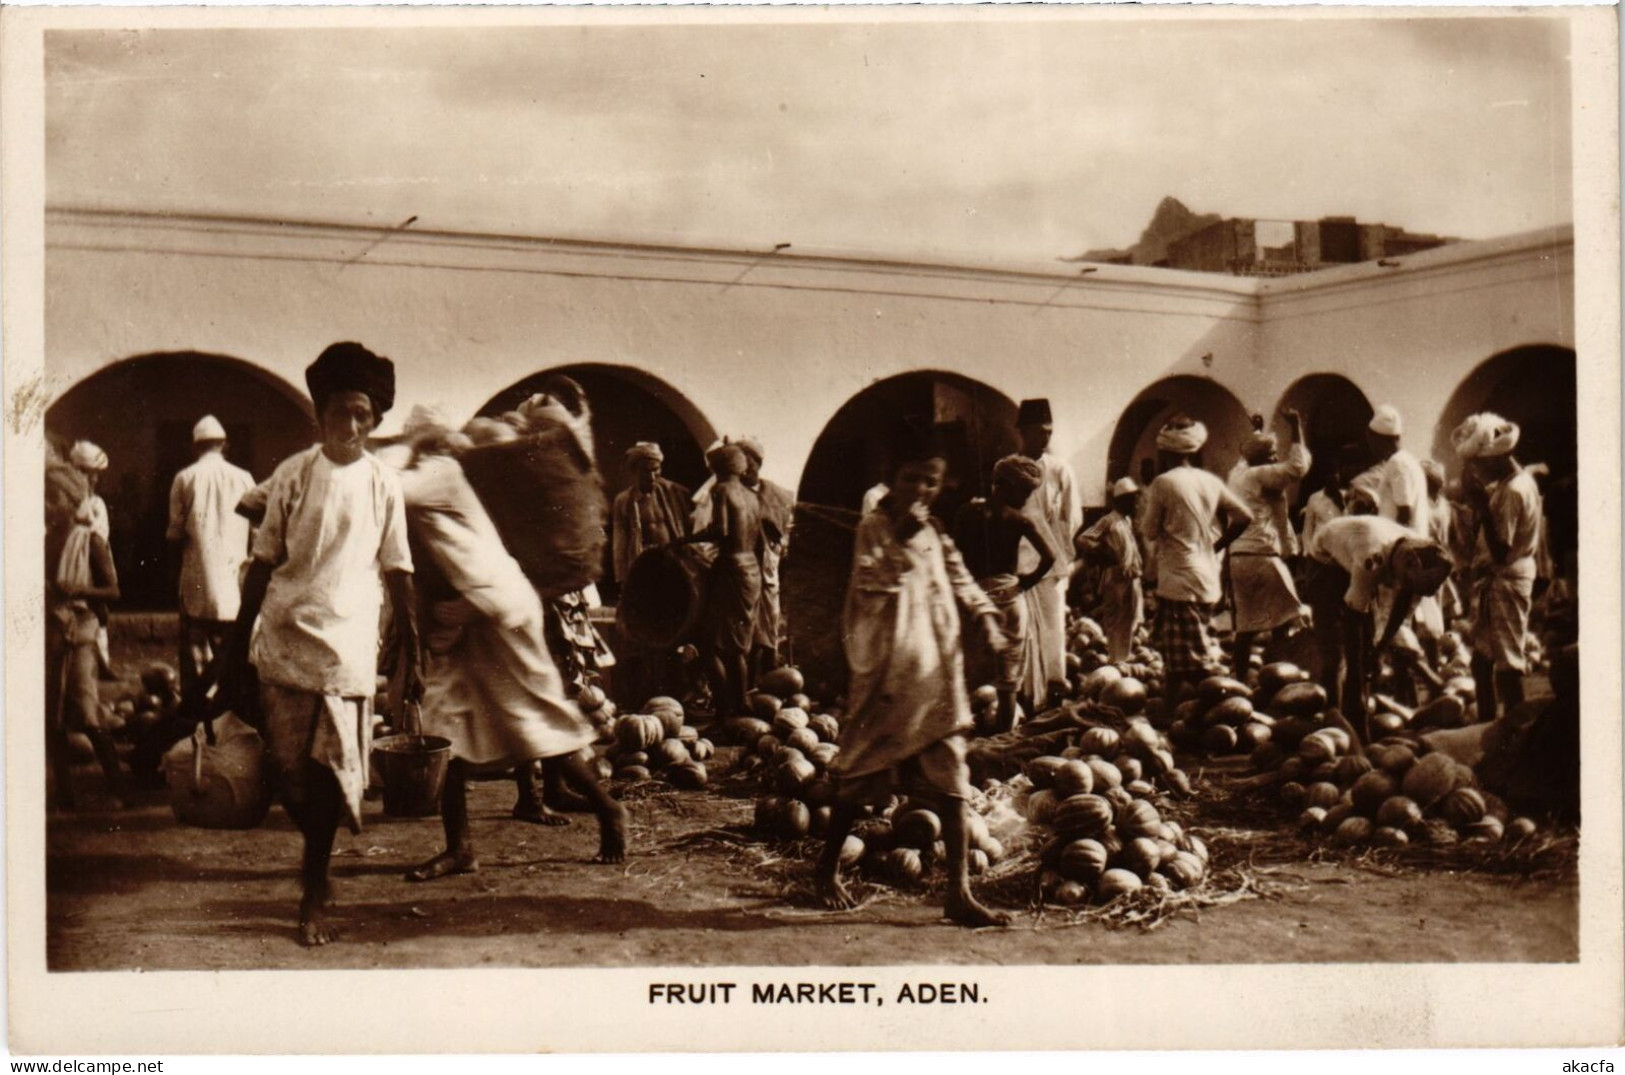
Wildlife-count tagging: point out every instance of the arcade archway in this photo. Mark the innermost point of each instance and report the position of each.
(628, 406)
(1133, 450)
(1536, 387)
(1335, 412)
(851, 454)
(141, 411)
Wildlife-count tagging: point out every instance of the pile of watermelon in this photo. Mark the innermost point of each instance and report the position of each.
(659, 741)
(1100, 822)
(136, 714)
(1226, 717)
(1133, 686)
(1392, 793)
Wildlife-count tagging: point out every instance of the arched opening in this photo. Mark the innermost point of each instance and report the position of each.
(1535, 387)
(628, 406)
(851, 454)
(141, 411)
(1133, 450)
(1335, 412)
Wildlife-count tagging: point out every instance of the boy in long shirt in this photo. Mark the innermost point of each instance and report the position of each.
(1507, 517)
(334, 523)
(1056, 510)
(1190, 517)
(989, 534)
(909, 708)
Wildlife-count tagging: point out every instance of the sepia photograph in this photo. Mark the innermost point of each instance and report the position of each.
(823, 489)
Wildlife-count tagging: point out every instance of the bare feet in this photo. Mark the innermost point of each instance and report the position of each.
(538, 814)
(964, 909)
(612, 835)
(314, 929)
(445, 863)
(834, 893)
(567, 801)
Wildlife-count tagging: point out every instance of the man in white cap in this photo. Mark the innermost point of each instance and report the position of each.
(1111, 543)
(1190, 517)
(1398, 486)
(1507, 520)
(1057, 512)
(213, 542)
(778, 516)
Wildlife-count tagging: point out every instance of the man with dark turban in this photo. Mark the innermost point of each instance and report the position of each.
(778, 513)
(334, 525)
(1507, 520)
(1057, 511)
(1261, 587)
(1190, 517)
(989, 534)
(735, 587)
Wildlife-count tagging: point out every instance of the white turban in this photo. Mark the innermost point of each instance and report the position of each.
(1124, 487)
(1182, 437)
(86, 456)
(644, 452)
(425, 421)
(1387, 422)
(1484, 435)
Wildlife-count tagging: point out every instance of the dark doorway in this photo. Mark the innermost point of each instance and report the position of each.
(851, 455)
(1535, 387)
(141, 411)
(1335, 412)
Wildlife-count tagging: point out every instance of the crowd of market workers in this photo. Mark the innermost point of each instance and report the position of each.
(298, 592)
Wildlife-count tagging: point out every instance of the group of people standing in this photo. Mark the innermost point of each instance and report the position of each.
(1385, 567)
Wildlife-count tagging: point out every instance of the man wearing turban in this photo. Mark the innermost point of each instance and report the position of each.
(1261, 587)
(80, 581)
(778, 514)
(651, 512)
(1112, 544)
(1057, 511)
(334, 525)
(1506, 523)
(989, 534)
(1190, 517)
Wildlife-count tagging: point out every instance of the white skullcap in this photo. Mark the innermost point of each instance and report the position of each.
(1387, 422)
(1124, 487)
(208, 428)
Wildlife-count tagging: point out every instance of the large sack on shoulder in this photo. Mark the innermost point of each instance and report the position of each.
(547, 502)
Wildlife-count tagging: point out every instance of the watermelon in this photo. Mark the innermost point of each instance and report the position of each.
(1215, 689)
(1073, 778)
(1101, 741)
(1083, 861)
(1234, 711)
(746, 730)
(1398, 812)
(1139, 820)
(1445, 711)
(632, 773)
(782, 682)
(1041, 807)
(1355, 830)
(1140, 789)
(1140, 856)
(904, 866)
(826, 727)
(1106, 774)
(1293, 795)
(1115, 883)
(1251, 736)
(1071, 894)
(763, 706)
(1431, 779)
(1219, 740)
(821, 755)
(670, 752)
(1371, 790)
(1323, 795)
(1462, 807)
(803, 739)
(1520, 828)
(1127, 695)
(1312, 819)
(1272, 677)
(1178, 784)
(1290, 732)
(1486, 828)
(1184, 870)
(852, 849)
(917, 828)
(690, 775)
(1083, 815)
(1349, 768)
(1388, 836)
(793, 776)
(795, 819)
(1303, 699)
(702, 750)
(1317, 747)
(639, 731)
(1130, 768)
(1041, 771)
(786, 721)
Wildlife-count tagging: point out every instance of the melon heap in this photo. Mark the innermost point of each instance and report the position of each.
(658, 740)
(1128, 686)
(1103, 837)
(1390, 794)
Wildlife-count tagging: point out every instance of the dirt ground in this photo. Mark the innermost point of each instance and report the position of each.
(134, 890)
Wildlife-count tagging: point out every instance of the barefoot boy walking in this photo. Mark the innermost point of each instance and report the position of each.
(909, 709)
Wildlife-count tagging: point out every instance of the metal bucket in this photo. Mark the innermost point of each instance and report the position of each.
(413, 768)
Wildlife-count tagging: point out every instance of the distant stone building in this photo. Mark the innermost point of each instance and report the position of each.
(1233, 246)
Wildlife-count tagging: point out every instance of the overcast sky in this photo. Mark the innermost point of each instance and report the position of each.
(963, 140)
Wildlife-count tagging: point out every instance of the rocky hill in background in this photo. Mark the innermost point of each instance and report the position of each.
(1170, 223)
